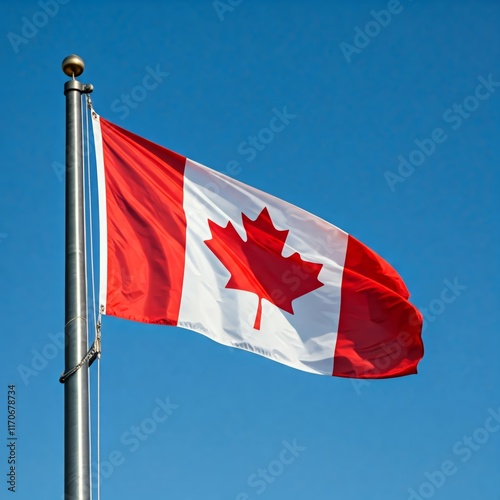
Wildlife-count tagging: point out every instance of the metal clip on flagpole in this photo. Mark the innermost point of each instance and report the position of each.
(77, 485)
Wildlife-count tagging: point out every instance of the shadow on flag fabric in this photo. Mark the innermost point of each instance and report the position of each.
(184, 245)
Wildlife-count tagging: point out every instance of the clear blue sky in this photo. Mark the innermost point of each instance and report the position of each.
(431, 72)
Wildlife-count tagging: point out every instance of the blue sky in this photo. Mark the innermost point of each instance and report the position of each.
(429, 76)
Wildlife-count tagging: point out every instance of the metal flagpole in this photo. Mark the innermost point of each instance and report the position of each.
(77, 483)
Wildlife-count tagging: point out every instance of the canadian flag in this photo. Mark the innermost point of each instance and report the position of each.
(184, 245)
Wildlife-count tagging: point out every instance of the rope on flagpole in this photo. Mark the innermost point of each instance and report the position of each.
(86, 172)
(90, 357)
(96, 319)
(98, 423)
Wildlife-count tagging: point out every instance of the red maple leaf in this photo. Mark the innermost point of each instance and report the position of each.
(256, 265)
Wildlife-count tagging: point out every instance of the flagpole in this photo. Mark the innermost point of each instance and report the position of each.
(77, 483)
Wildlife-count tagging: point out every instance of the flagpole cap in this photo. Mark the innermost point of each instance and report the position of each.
(73, 65)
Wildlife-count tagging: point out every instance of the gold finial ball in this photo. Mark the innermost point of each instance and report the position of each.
(73, 65)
